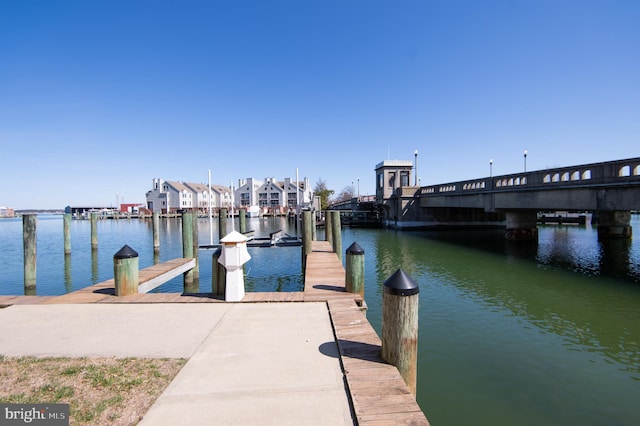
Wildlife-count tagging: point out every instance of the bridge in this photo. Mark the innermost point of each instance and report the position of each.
(609, 189)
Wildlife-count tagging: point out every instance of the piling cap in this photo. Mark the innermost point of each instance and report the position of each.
(355, 249)
(401, 284)
(125, 252)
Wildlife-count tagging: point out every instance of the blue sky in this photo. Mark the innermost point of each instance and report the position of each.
(97, 98)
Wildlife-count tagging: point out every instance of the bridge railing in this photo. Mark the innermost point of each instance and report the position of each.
(617, 172)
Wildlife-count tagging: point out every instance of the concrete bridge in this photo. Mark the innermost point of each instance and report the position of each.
(609, 189)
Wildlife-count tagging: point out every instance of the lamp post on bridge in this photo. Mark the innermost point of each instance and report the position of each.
(415, 178)
(491, 167)
(358, 189)
(525, 161)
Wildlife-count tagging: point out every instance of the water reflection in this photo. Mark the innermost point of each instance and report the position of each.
(515, 332)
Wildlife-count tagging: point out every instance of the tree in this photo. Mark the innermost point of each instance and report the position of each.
(345, 195)
(320, 190)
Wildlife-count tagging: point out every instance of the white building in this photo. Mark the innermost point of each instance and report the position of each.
(247, 192)
(172, 196)
(252, 194)
(284, 195)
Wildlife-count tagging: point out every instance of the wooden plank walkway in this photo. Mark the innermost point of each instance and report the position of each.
(104, 292)
(324, 277)
(156, 275)
(378, 393)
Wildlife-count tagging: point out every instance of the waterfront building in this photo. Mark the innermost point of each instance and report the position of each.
(220, 196)
(247, 195)
(281, 197)
(6, 212)
(173, 196)
(254, 195)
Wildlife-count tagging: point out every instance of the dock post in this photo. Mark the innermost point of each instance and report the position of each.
(306, 237)
(29, 225)
(354, 282)
(196, 247)
(222, 222)
(400, 326)
(66, 225)
(314, 227)
(218, 274)
(336, 230)
(94, 231)
(328, 229)
(156, 233)
(242, 214)
(187, 245)
(125, 271)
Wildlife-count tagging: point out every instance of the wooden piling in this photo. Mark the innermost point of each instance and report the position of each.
(400, 326)
(196, 247)
(66, 225)
(314, 227)
(328, 228)
(187, 245)
(242, 214)
(29, 225)
(222, 222)
(336, 230)
(306, 236)
(354, 275)
(94, 231)
(156, 232)
(218, 275)
(125, 271)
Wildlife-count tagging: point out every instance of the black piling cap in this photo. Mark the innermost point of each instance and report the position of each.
(125, 252)
(401, 284)
(355, 249)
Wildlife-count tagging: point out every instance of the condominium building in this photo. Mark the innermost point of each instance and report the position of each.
(252, 194)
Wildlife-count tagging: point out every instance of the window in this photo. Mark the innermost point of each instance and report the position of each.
(404, 179)
(380, 180)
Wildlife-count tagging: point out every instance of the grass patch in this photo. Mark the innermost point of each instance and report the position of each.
(99, 391)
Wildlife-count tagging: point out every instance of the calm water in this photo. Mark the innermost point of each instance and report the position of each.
(510, 334)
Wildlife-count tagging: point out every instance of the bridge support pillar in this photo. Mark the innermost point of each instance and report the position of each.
(521, 225)
(614, 224)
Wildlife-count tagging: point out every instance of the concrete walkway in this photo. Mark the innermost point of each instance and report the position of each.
(249, 363)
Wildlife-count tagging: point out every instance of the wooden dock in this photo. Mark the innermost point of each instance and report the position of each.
(377, 391)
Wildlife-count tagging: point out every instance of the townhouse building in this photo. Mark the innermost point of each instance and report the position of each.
(254, 195)
(285, 195)
(173, 196)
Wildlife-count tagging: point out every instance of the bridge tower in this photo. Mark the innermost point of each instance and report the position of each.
(394, 191)
(391, 175)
